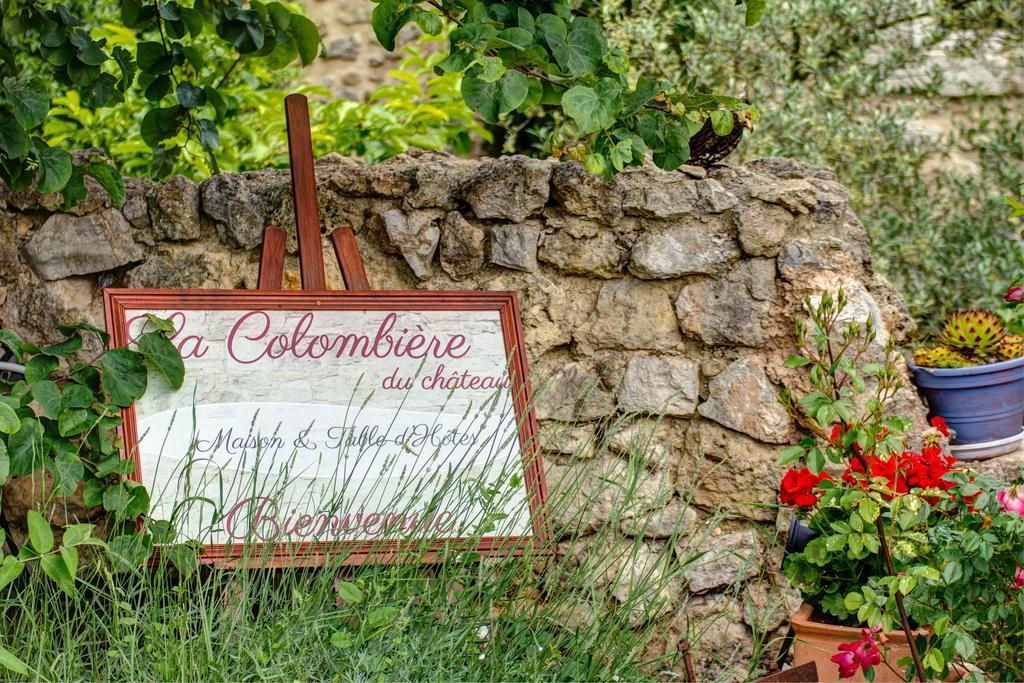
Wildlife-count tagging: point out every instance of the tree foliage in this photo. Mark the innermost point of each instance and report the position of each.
(43, 47)
(516, 57)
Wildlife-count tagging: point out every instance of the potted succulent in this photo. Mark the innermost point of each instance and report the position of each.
(974, 377)
(909, 562)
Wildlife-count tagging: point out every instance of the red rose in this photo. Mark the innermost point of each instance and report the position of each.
(940, 424)
(890, 470)
(1014, 295)
(797, 487)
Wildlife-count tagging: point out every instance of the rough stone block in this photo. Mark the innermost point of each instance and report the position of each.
(510, 188)
(462, 246)
(515, 246)
(68, 245)
(684, 247)
(743, 398)
(660, 385)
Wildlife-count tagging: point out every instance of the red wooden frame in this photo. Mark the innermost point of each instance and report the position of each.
(312, 553)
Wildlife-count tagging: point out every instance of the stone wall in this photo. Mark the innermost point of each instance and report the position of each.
(657, 294)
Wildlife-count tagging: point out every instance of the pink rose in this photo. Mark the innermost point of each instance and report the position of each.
(1014, 295)
(1018, 577)
(861, 653)
(1012, 499)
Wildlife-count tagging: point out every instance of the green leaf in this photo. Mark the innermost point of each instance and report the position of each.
(9, 661)
(124, 376)
(109, 179)
(29, 101)
(14, 142)
(128, 551)
(9, 422)
(26, 448)
(74, 421)
(164, 356)
(349, 592)
(190, 96)
(790, 455)
(381, 616)
(582, 51)
(67, 471)
(796, 362)
(10, 569)
(54, 168)
(183, 557)
(12, 341)
(76, 534)
(57, 569)
(342, 640)
(306, 36)
(387, 20)
(47, 394)
(40, 368)
(68, 347)
(208, 135)
(722, 122)
(5, 465)
(595, 108)
(494, 99)
(76, 396)
(39, 532)
(115, 499)
(755, 10)
(138, 501)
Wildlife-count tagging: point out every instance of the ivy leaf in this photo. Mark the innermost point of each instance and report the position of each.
(67, 472)
(39, 532)
(124, 376)
(12, 341)
(190, 96)
(40, 367)
(722, 121)
(128, 551)
(14, 142)
(73, 421)
(208, 135)
(183, 558)
(9, 422)
(109, 179)
(28, 100)
(115, 499)
(138, 500)
(47, 395)
(54, 168)
(493, 99)
(306, 37)
(164, 356)
(387, 20)
(76, 396)
(160, 124)
(65, 348)
(126, 64)
(582, 51)
(26, 448)
(594, 108)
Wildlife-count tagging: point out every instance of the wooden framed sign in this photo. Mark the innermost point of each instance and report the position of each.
(350, 424)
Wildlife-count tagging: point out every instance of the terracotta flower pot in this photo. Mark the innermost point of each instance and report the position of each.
(817, 642)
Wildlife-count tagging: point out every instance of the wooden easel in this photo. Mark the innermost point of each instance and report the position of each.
(307, 219)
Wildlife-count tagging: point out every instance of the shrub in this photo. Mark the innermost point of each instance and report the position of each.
(829, 79)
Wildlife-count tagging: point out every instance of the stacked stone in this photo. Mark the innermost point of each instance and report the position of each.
(657, 308)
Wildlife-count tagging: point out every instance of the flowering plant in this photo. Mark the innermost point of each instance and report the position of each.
(906, 538)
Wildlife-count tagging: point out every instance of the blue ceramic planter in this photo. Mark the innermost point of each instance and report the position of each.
(982, 403)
